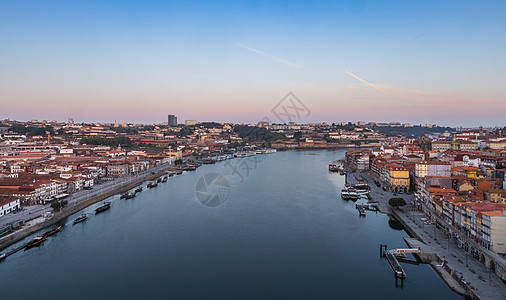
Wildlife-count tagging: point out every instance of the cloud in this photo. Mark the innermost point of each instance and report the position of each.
(272, 57)
(369, 84)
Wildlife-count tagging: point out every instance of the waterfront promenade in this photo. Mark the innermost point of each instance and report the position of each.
(486, 284)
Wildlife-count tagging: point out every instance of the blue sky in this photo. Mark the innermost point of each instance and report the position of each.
(137, 61)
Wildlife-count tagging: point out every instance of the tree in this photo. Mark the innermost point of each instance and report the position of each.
(58, 204)
(396, 202)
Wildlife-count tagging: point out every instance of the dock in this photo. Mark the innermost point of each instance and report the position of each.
(399, 273)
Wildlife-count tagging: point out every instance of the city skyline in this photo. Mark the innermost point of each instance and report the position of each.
(353, 60)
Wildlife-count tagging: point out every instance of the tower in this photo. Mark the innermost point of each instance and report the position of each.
(172, 120)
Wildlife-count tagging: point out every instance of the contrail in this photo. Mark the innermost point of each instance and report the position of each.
(418, 36)
(369, 84)
(274, 58)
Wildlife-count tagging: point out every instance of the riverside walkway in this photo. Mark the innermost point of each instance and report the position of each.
(486, 284)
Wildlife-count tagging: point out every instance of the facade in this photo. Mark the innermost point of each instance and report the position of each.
(494, 231)
(116, 170)
(433, 168)
(398, 178)
(8, 204)
(172, 120)
(442, 146)
(496, 195)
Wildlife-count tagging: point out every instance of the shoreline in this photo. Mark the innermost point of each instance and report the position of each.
(78, 206)
(429, 258)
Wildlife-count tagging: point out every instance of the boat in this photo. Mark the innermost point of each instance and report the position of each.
(341, 172)
(35, 242)
(138, 190)
(179, 172)
(209, 161)
(82, 218)
(164, 179)
(188, 168)
(171, 174)
(130, 196)
(158, 180)
(102, 208)
(152, 185)
(51, 232)
(3, 256)
(123, 195)
(333, 168)
(349, 193)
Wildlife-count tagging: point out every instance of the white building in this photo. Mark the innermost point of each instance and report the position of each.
(8, 204)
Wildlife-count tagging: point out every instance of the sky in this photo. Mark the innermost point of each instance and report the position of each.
(234, 61)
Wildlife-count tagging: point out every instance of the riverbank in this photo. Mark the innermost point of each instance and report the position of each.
(444, 256)
(119, 187)
(381, 197)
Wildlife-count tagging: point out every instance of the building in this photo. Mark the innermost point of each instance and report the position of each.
(117, 170)
(172, 121)
(188, 122)
(494, 231)
(496, 195)
(433, 168)
(398, 178)
(8, 204)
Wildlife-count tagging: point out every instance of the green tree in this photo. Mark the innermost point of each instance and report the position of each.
(396, 202)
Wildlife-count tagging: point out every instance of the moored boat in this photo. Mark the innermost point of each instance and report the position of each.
(333, 168)
(102, 208)
(138, 190)
(349, 193)
(130, 196)
(36, 241)
(51, 232)
(152, 185)
(82, 218)
(3, 256)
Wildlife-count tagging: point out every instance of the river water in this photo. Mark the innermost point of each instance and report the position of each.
(282, 232)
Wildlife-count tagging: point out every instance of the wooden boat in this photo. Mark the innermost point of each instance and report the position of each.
(103, 208)
(51, 232)
(82, 218)
(36, 241)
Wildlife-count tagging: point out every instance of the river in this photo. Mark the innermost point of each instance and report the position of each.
(282, 232)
